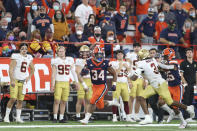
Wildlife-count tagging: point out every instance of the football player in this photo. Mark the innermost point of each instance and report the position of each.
(149, 68)
(122, 68)
(98, 72)
(85, 91)
(174, 83)
(62, 67)
(137, 86)
(19, 76)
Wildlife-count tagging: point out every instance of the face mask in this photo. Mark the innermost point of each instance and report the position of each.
(55, 7)
(8, 19)
(110, 38)
(59, 16)
(107, 18)
(23, 38)
(123, 12)
(161, 19)
(192, 14)
(4, 27)
(97, 35)
(34, 7)
(187, 24)
(42, 14)
(79, 32)
(11, 38)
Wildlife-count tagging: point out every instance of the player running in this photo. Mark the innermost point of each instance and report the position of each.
(149, 68)
(85, 91)
(122, 68)
(62, 67)
(98, 71)
(19, 76)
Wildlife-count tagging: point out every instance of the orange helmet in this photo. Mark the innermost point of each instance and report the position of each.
(169, 52)
(98, 53)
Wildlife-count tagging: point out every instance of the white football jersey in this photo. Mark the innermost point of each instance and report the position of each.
(123, 74)
(82, 63)
(132, 56)
(63, 67)
(22, 65)
(149, 69)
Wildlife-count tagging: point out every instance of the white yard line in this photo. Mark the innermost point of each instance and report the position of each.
(86, 126)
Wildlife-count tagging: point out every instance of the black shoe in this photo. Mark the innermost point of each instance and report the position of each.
(63, 121)
(55, 121)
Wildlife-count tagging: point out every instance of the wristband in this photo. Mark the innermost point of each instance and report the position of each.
(84, 85)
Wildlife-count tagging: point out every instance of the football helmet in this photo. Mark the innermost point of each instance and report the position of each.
(98, 54)
(84, 51)
(168, 53)
(143, 54)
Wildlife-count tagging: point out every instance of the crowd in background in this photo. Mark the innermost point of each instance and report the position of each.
(44, 23)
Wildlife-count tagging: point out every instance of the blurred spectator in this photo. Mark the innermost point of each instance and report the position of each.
(17, 8)
(168, 14)
(92, 3)
(31, 15)
(3, 29)
(147, 27)
(22, 38)
(73, 49)
(42, 22)
(102, 9)
(61, 30)
(2, 8)
(48, 45)
(180, 15)
(111, 48)
(194, 3)
(107, 25)
(96, 38)
(186, 5)
(194, 34)
(160, 25)
(8, 47)
(89, 27)
(192, 14)
(82, 12)
(121, 23)
(142, 9)
(35, 47)
(8, 17)
(16, 31)
(171, 36)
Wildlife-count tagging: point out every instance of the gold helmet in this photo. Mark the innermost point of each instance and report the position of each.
(84, 51)
(143, 54)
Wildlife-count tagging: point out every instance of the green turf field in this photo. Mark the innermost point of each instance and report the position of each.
(95, 126)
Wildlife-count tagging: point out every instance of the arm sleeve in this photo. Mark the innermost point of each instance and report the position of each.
(168, 67)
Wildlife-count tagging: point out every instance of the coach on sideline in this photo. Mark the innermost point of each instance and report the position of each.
(188, 70)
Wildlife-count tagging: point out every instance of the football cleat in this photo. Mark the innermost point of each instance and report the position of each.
(190, 110)
(129, 119)
(190, 120)
(183, 125)
(171, 117)
(19, 120)
(147, 120)
(114, 119)
(136, 118)
(6, 119)
(83, 121)
(63, 121)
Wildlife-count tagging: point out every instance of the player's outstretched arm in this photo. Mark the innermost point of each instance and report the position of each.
(11, 72)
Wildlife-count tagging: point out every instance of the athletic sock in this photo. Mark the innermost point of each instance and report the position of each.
(7, 112)
(78, 115)
(18, 113)
(167, 108)
(61, 117)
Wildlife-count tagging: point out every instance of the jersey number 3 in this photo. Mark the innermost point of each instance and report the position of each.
(154, 68)
(96, 75)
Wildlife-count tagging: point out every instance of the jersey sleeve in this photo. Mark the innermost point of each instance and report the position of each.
(14, 56)
(140, 68)
(30, 57)
(53, 61)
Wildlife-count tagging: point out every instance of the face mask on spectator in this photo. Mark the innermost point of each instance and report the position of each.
(161, 19)
(23, 38)
(97, 34)
(107, 18)
(192, 14)
(34, 7)
(55, 7)
(42, 14)
(79, 32)
(11, 38)
(110, 38)
(59, 16)
(187, 24)
(123, 12)
(4, 27)
(8, 19)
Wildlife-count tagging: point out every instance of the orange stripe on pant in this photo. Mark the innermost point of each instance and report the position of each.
(99, 92)
(176, 93)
